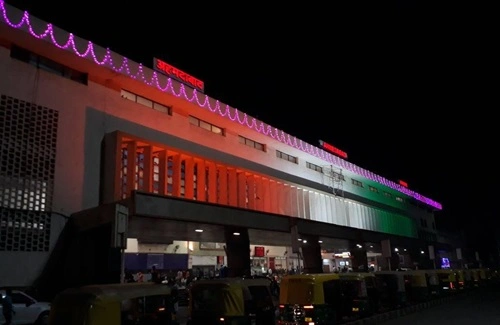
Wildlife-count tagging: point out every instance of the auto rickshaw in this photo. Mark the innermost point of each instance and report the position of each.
(434, 287)
(392, 287)
(460, 276)
(447, 279)
(114, 304)
(234, 301)
(483, 276)
(468, 278)
(311, 298)
(416, 285)
(363, 291)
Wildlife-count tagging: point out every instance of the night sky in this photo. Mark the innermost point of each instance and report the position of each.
(404, 89)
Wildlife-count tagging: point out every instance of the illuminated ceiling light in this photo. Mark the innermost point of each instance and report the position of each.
(236, 233)
(124, 67)
(304, 241)
(320, 241)
(299, 239)
(198, 230)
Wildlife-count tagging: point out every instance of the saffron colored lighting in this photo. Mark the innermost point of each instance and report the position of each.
(200, 99)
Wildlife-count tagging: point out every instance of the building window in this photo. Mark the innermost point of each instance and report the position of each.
(387, 194)
(373, 189)
(357, 183)
(48, 65)
(205, 125)
(252, 143)
(146, 102)
(288, 157)
(314, 167)
(338, 176)
(399, 199)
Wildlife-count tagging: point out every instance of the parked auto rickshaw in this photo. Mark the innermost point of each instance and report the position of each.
(447, 279)
(483, 276)
(114, 304)
(310, 298)
(416, 285)
(468, 279)
(232, 301)
(460, 279)
(434, 287)
(476, 278)
(392, 289)
(363, 293)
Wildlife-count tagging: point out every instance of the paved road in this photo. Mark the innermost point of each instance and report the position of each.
(474, 308)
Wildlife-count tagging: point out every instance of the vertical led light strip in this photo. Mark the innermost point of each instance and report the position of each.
(214, 106)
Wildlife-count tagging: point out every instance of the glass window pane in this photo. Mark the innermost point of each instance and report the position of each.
(144, 101)
(128, 95)
(194, 120)
(205, 125)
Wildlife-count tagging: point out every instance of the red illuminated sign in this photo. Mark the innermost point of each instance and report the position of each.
(259, 251)
(403, 183)
(336, 151)
(177, 74)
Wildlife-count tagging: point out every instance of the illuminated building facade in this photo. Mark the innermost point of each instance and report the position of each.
(83, 127)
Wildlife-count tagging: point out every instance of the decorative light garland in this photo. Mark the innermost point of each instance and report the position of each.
(250, 122)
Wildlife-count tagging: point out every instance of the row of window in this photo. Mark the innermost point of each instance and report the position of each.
(146, 102)
(48, 65)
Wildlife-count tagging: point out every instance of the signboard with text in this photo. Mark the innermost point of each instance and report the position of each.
(179, 75)
(403, 183)
(331, 149)
(259, 251)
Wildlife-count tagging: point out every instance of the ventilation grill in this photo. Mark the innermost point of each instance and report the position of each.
(28, 137)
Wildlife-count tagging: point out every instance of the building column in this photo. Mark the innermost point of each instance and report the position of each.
(359, 257)
(237, 251)
(311, 254)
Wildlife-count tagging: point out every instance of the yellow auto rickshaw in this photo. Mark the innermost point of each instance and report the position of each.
(234, 301)
(113, 304)
(392, 286)
(363, 291)
(447, 279)
(433, 284)
(310, 298)
(460, 279)
(416, 285)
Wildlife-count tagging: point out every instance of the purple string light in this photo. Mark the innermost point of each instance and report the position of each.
(222, 109)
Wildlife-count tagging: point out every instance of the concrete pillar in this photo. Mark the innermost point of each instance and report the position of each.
(237, 251)
(359, 258)
(311, 254)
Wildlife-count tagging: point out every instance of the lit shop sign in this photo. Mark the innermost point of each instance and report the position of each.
(336, 151)
(178, 75)
(403, 183)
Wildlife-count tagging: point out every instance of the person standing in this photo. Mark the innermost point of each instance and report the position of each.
(8, 307)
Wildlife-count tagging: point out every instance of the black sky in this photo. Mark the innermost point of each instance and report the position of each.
(405, 88)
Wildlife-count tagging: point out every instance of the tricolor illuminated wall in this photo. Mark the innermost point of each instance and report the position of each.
(106, 58)
(169, 171)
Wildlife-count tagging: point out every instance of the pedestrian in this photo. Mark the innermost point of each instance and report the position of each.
(7, 307)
